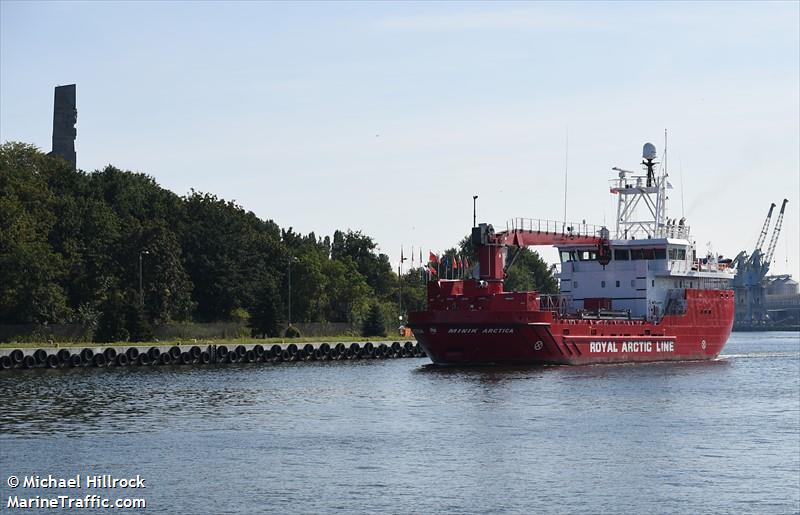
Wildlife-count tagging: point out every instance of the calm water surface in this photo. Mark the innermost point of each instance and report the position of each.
(401, 436)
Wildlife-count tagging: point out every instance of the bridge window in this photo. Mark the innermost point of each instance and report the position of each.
(677, 254)
(602, 284)
(648, 254)
(567, 256)
(587, 255)
(621, 255)
(617, 284)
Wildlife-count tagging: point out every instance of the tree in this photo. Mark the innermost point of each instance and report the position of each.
(374, 324)
(373, 266)
(266, 315)
(530, 272)
(347, 292)
(30, 271)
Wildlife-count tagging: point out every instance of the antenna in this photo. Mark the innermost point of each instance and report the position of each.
(680, 164)
(566, 169)
(665, 153)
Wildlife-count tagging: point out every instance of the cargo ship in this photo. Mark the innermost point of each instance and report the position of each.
(640, 295)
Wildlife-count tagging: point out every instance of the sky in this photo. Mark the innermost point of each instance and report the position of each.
(388, 117)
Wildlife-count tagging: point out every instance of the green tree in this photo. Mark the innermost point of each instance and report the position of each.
(530, 272)
(375, 323)
(267, 312)
(347, 292)
(30, 270)
(373, 266)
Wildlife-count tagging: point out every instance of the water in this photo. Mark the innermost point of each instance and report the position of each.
(400, 436)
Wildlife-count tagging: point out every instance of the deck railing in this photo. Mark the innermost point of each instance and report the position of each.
(553, 227)
(554, 302)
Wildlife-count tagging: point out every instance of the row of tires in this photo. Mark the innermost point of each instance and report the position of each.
(211, 354)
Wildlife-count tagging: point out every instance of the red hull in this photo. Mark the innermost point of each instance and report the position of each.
(470, 337)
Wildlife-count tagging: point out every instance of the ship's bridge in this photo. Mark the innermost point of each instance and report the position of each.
(638, 277)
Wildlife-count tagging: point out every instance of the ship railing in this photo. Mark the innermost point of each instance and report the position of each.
(553, 227)
(556, 303)
(645, 231)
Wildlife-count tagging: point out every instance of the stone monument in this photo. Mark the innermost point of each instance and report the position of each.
(65, 115)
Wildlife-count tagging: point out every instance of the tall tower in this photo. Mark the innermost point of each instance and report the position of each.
(65, 115)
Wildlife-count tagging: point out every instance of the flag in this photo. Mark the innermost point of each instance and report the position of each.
(466, 260)
(433, 258)
(455, 263)
(401, 254)
(431, 270)
(412, 256)
(463, 265)
(420, 256)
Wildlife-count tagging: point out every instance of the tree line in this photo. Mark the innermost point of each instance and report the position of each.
(72, 245)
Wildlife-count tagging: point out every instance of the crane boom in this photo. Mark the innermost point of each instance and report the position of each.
(764, 230)
(775, 232)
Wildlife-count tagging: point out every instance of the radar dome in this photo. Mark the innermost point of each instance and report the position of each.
(649, 151)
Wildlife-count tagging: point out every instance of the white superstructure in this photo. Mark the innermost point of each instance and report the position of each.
(652, 257)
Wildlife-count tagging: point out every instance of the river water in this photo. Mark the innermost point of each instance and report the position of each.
(401, 436)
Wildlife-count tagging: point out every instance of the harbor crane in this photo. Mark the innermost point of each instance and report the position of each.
(750, 272)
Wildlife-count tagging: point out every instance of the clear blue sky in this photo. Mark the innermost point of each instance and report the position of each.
(388, 117)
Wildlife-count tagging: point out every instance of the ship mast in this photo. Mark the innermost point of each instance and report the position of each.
(641, 204)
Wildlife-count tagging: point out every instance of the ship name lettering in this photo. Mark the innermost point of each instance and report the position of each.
(463, 330)
(637, 346)
(665, 347)
(603, 347)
